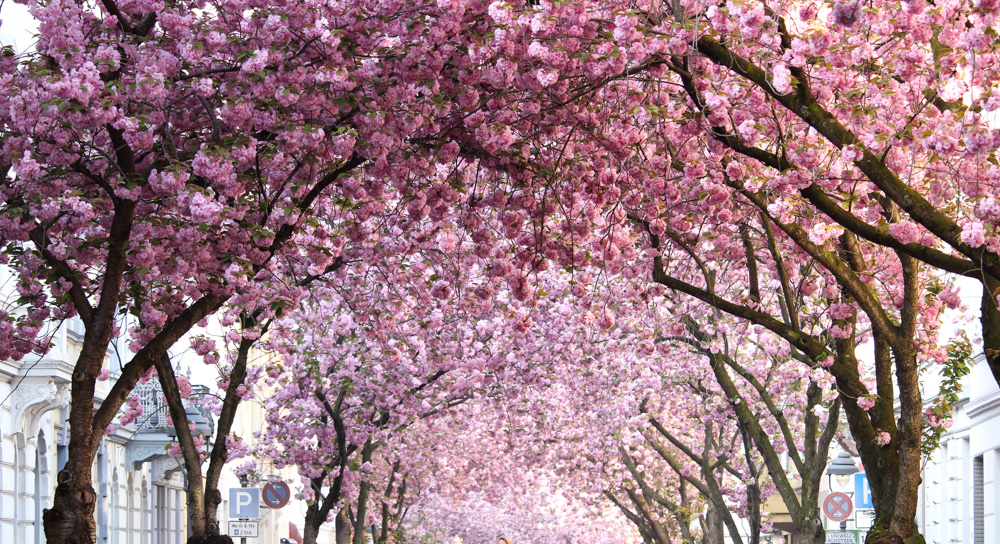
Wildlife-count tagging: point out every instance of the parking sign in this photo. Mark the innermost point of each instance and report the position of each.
(862, 491)
(244, 502)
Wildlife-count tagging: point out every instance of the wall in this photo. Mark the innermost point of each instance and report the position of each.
(960, 495)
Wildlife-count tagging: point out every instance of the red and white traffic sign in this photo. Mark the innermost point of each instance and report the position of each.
(276, 494)
(837, 506)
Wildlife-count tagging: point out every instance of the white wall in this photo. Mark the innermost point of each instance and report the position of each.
(949, 488)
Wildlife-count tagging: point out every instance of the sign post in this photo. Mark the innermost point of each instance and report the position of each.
(244, 503)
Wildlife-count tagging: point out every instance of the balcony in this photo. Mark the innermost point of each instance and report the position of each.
(153, 432)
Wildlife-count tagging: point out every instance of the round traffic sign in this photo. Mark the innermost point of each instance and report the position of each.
(837, 506)
(276, 494)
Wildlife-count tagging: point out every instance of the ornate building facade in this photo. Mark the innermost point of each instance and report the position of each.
(140, 488)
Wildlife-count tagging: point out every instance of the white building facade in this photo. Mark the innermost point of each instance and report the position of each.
(960, 492)
(140, 488)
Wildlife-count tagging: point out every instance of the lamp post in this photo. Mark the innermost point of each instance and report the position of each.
(841, 470)
(202, 425)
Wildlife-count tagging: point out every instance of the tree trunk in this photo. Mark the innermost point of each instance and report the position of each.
(898, 465)
(189, 451)
(71, 518)
(343, 527)
(314, 520)
(320, 508)
(657, 531)
(714, 526)
(210, 539)
(364, 490)
(220, 453)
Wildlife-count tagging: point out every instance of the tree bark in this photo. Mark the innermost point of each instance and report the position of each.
(189, 451)
(314, 520)
(713, 533)
(220, 452)
(364, 490)
(71, 518)
(657, 531)
(343, 527)
(990, 321)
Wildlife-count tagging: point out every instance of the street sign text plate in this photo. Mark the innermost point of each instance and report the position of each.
(864, 518)
(244, 529)
(841, 537)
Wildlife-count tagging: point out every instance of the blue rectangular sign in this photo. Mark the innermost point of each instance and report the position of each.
(244, 502)
(862, 492)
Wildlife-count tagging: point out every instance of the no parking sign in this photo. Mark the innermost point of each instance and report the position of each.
(276, 494)
(837, 506)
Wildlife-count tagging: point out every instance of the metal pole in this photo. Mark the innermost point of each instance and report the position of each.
(244, 482)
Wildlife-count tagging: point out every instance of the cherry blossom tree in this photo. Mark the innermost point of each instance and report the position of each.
(169, 160)
(776, 407)
(660, 116)
(363, 360)
(486, 485)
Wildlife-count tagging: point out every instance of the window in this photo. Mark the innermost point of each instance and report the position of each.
(75, 329)
(978, 526)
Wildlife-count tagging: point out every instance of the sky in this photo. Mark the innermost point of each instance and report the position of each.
(17, 27)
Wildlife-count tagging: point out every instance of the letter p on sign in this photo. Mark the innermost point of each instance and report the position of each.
(244, 502)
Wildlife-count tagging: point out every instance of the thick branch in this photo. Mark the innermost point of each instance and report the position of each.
(874, 169)
(144, 359)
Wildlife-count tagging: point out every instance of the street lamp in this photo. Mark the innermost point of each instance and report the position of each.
(202, 426)
(842, 468)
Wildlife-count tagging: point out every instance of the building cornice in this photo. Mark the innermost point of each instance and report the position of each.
(985, 406)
